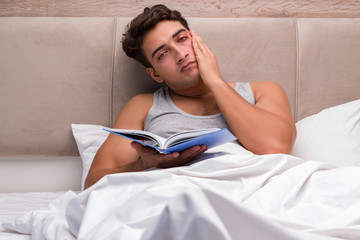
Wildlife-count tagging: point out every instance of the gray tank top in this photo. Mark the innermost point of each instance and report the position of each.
(165, 118)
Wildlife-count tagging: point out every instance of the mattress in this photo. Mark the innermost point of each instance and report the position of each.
(13, 205)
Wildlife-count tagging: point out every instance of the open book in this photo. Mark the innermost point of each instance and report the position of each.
(178, 142)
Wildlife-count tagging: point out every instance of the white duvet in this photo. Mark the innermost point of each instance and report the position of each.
(228, 194)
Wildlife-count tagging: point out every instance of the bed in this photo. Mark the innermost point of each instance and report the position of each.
(62, 79)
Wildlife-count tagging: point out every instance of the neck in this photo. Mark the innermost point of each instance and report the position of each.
(198, 91)
(195, 102)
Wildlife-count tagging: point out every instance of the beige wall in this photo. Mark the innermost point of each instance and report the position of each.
(189, 8)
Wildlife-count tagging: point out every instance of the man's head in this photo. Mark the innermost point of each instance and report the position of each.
(133, 37)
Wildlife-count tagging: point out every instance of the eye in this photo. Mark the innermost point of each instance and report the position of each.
(162, 55)
(183, 38)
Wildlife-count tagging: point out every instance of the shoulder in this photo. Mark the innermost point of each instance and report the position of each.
(134, 112)
(263, 88)
(267, 89)
(141, 100)
(139, 103)
(271, 97)
(265, 85)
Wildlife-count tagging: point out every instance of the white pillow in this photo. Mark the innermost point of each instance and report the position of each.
(332, 135)
(88, 138)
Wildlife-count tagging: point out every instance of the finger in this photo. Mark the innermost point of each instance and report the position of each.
(195, 43)
(181, 158)
(170, 157)
(169, 160)
(185, 157)
(199, 45)
(192, 33)
(148, 151)
(137, 146)
(193, 152)
(198, 39)
(202, 149)
(142, 149)
(189, 156)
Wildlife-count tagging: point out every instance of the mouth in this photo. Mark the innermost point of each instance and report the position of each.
(187, 66)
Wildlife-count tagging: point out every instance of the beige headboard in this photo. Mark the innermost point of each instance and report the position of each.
(58, 71)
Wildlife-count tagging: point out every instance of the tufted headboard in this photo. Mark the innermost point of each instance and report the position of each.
(59, 71)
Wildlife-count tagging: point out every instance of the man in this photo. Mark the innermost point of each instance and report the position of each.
(258, 113)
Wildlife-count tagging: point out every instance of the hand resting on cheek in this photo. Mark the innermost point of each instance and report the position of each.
(207, 62)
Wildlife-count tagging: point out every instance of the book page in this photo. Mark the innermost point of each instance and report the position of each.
(139, 136)
(210, 140)
(184, 136)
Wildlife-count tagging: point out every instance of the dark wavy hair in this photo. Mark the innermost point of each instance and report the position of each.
(135, 31)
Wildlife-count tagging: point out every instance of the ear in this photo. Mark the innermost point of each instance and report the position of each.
(151, 71)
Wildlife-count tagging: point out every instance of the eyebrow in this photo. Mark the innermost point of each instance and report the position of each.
(163, 45)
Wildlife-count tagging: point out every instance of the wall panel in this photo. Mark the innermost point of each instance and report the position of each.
(190, 8)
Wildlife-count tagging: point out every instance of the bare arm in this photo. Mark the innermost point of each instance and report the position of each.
(119, 154)
(266, 127)
(116, 154)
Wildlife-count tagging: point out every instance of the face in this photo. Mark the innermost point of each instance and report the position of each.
(168, 47)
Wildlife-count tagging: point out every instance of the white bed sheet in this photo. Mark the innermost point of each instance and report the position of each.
(13, 205)
(230, 194)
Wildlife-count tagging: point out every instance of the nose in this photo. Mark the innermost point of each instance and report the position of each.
(181, 54)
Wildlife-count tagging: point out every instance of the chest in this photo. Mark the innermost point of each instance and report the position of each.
(197, 106)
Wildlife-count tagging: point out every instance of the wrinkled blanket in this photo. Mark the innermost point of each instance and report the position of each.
(229, 193)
